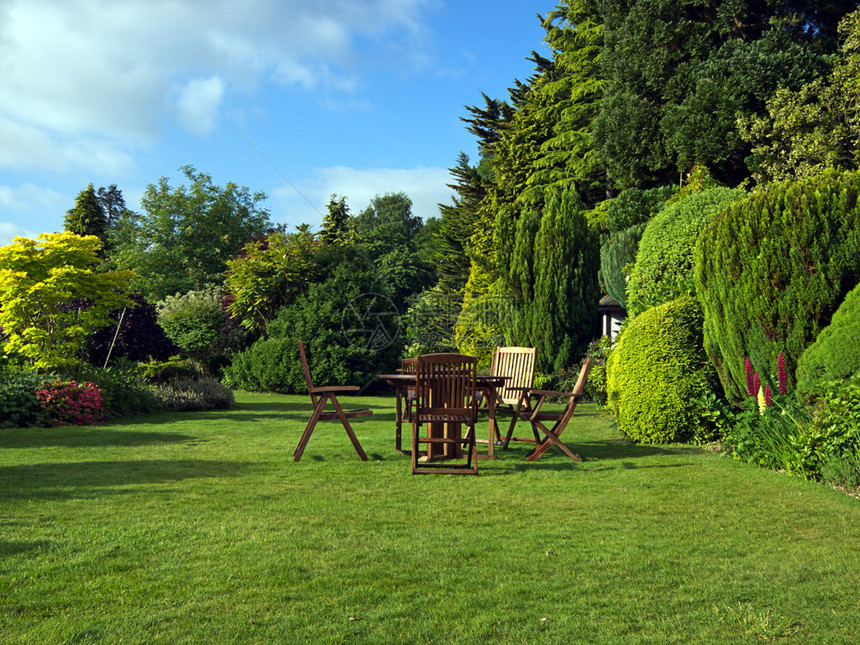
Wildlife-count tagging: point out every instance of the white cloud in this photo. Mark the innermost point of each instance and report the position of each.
(10, 231)
(199, 102)
(85, 71)
(424, 186)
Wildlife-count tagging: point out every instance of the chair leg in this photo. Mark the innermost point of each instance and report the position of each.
(306, 435)
(551, 439)
(348, 428)
(415, 428)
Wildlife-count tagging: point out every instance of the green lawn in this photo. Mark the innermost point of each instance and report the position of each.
(199, 528)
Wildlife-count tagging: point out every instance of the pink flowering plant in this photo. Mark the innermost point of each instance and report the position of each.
(70, 403)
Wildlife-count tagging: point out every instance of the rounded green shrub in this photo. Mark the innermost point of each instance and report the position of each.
(656, 372)
(771, 270)
(835, 354)
(664, 261)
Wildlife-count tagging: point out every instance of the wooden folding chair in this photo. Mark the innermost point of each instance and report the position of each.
(322, 395)
(537, 416)
(445, 388)
(518, 365)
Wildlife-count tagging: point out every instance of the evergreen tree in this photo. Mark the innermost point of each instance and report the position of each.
(456, 225)
(112, 203)
(337, 227)
(560, 318)
(87, 217)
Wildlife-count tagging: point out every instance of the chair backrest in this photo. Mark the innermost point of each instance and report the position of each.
(446, 381)
(518, 364)
(408, 365)
(579, 388)
(307, 371)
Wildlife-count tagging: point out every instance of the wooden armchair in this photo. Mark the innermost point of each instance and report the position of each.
(518, 365)
(322, 395)
(537, 416)
(445, 388)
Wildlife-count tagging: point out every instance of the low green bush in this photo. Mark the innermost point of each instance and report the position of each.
(835, 354)
(657, 370)
(269, 365)
(123, 388)
(19, 405)
(172, 369)
(193, 395)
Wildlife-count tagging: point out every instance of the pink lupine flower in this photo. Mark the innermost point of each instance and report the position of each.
(783, 381)
(748, 368)
(756, 384)
(768, 397)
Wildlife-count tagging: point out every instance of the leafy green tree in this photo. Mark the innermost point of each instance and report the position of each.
(196, 322)
(814, 127)
(269, 274)
(186, 235)
(317, 317)
(387, 233)
(53, 298)
(573, 89)
(87, 217)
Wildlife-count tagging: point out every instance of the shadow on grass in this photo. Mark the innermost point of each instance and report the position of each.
(85, 437)
(8, 548)
(85, 479)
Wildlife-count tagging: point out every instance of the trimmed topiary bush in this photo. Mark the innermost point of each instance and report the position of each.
(664, 261)
(772, 269)
(835, 354)
(657, 371)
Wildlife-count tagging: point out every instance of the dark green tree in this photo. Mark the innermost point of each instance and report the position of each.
(457, 224)
(112, 203)
(679, 71)
(386, 234)
(87, 217)
(815, 127)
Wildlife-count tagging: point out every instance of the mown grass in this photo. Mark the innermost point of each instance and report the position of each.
(199, 528)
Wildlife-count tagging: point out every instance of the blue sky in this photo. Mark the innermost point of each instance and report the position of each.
(297, 98)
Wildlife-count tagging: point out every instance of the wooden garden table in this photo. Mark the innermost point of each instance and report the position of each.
(486, 383)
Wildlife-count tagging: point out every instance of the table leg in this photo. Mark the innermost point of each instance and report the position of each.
(398, 419)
